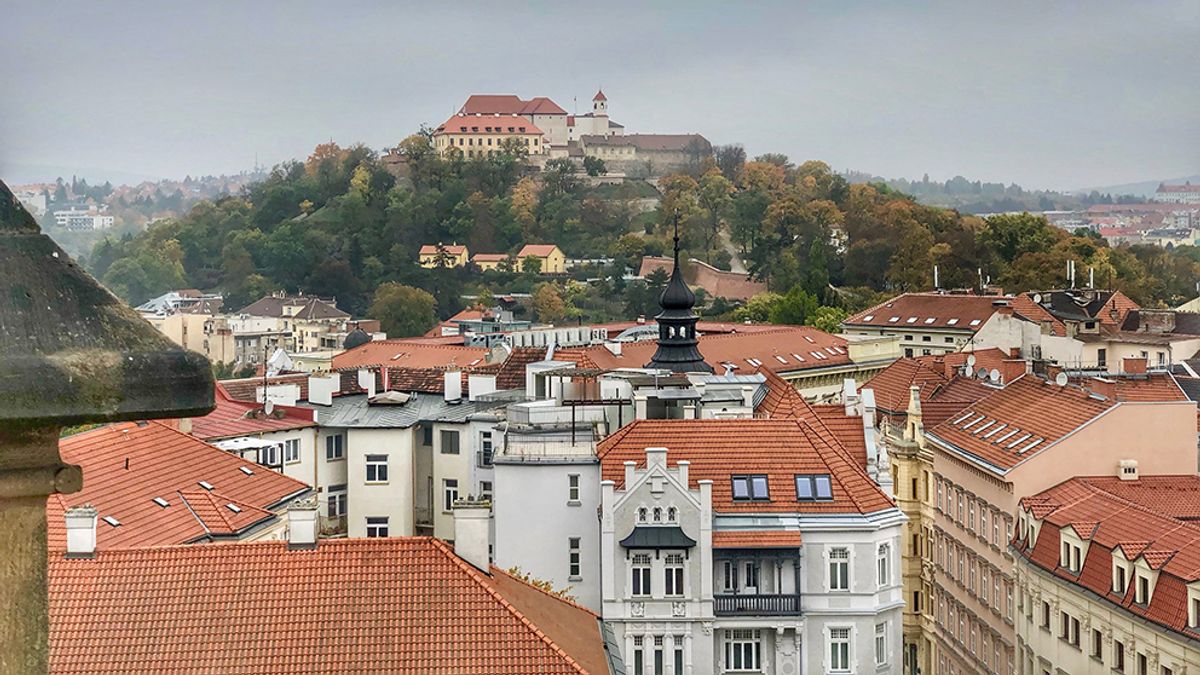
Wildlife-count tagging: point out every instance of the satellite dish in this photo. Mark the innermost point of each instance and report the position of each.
(971, 360)
(994, 376)
(1037, 298)
(1060, 379)
(982, 373)
(269, 407)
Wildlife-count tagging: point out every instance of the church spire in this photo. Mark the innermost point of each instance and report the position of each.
(677, 344)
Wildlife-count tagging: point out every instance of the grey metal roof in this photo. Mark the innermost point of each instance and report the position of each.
(658, 536)
(355, 412)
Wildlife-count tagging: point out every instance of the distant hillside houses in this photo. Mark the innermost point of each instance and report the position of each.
(1178, 194)
(488, 124)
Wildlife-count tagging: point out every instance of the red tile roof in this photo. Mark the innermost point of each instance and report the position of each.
(892, 384)
(539, 250)
(410, 354)
(830, 422)
(508, 104)
(719, 449)
(599, 96)
(246, 388)
(232, 418)
(756, 539)
(1152, 518)
(488, 124)
(512, 372)
(938, 311)
(489, 257)
(452, 249)
(127, 465)
(780, 349)
(398, 605)
(1025, 417)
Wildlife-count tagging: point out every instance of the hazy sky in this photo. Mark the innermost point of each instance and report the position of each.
(1088, 93)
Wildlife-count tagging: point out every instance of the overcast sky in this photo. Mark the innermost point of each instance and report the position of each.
(1090, 93)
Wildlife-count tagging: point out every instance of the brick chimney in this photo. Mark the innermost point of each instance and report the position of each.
(472, 519)
(81, 531)
(1011, 369)
(1133, 365)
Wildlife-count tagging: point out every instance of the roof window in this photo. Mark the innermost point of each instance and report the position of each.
(893, 319)
(980, 429)
(161, 502)
(205, 484)
(951, 322)
(994, 431)
(813, 487)
(798, 357)
(959, 420)
(868, 317)
(233, 507)
(754, 362)
(1019, 441)
(973, 422)
(911, 319)
(1007, 436)
(810, 339)
(930, 319)
(750, 488)
(780, 359)
(246, 470)
(112, 521)
(1030, 446)
(975, 322)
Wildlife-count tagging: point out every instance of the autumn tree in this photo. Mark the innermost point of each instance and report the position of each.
(403, 311)
(548, 304)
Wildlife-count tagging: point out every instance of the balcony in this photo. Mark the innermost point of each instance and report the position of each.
(332, 527)
(756, 605)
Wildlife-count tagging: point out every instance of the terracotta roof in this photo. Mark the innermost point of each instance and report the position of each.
(1074, 304)
(892, 384)
(246, 388)
(782, 400)
(509, 104)
(599, 96)
(830, 422)
(1025, 417)
(125, 466)
(1148, 387)
(539, 250)
(452, 249)
(780, 349)
(924, 311)
(410, 354)
(847, 429)
(489, 257)
(387, 605)
(1186, 187)
(756, 539)
(1152, 518)
(232, 418)
(488, 124)
(512, 372)
(720, 449)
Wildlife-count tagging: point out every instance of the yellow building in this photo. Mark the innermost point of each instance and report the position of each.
(441, 255)
(489, 261)
(552, 258)
(479, 135)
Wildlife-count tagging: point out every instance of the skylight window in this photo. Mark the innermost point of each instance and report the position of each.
(973, 422)
(780, 359)
(112, 521)
(246, 470)
(893, 319)
(754, 362)
(813, 487)
(911, 319)
(797, 357)
(960, 420)
(1030, 446)
(975, 322)
(930, 320)
(951, 322)
(995, 430)
(830, 350)
(234, 507)
(1007, 436)
(161, 502)
(205, 484)
(868, 317)
(980, 429)
(750, 488)
(810, 339)
(1017, 442)
(817, 355)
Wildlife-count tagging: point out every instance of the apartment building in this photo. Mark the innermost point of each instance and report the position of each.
(1013, 443)
(931, 323)
(1108, 575)
(745, 545)
(484, 135)
(430, 256)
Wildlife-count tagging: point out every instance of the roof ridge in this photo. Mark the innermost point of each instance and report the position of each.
(479, 578)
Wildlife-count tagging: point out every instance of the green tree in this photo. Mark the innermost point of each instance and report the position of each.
(758, 308)
(594, 166)
(403, 311)
(548, 304)
(794, 308)
(828, 319)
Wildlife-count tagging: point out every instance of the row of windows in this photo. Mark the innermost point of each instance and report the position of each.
(1069, 632)
(650, 653)
(809, 487)
(971, 634)
(641, 584)
(289, 449)
(983, 581)
(976, 516)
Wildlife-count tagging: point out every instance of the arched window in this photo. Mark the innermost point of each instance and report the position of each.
(657, 514)
(671, 515)
(642, 515)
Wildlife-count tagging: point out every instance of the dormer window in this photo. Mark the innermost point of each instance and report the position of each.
(1141, 593)
(750, 488)
(813, 487)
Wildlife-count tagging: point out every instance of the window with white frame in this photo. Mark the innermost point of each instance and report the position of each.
(377, 468)
(291, 450)
(335, 447)
(883, 565)
(574, 566)
(639, 654)
(839, 650)
(268, 455)
(743, 650)
(336, 502)
(485, 490)
(729, 580)
(640, 576)
(881, 654)
(1193, 607)
(485, 448)
(1141, 592)
(449, 493)
(377, 526)
(1070, 554)
(839, 569)
(573, 489)
(679, 654)
(673, 575)
(1120, 577)
(750, 575)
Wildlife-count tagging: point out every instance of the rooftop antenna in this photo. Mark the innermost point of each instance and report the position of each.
(936, 285)
(979, 271)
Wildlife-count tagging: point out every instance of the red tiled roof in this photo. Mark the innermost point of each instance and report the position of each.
(892, 384)
(488, 124)
(782, 400)
(539, 250)
(512, 373)
(509, 104)
(246, 389)
(232, 418)
(127, 465)
(1031, 415)
(756, 539)
(780, 349)
(940, 311)
(1152, 518)
(1186, 187)
(398, 605)
(1024, 306)
(599, 96)
(489, 257)
(410, 354)
(452, 249)
(719, 449)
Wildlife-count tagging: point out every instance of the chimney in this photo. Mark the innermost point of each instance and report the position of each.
(302, 524)
(452, 380)
(185, 425)
(1011, 369)
(366, 380)
(748, 395)
(630, 466)
(1102, 386)
(850, 397)
(656, 457)
(81, 531)
(478, 385)
(472, 520)
(1128, 469)
(322, 387)
(1133, 365)
(613, 347)
(682, 465)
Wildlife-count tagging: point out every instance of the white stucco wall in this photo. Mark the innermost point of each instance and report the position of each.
(393, 498)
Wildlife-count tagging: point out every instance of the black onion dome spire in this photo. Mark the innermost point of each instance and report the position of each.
(677, 344)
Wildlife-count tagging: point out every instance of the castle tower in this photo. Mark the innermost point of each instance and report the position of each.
(600, 104)
(677, 344)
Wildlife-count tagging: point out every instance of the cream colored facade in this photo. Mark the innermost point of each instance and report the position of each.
(553, 262)
(1101, 624)
(480, 136)
(208, 335)
(868, 356)
(451, 256)
(969, 566)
